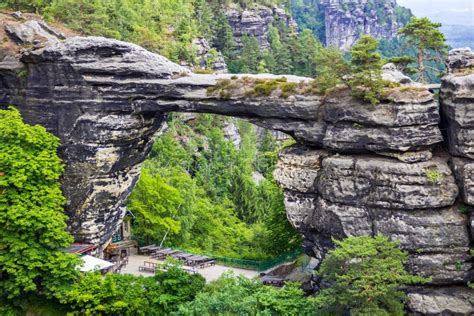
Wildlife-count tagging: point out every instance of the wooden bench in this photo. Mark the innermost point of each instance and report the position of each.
(208, 263)
(190, 269)
(148, 267)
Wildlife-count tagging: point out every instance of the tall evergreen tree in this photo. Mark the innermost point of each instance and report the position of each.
(249, 56)
(224, 37)
(280, 52)
(306, 59)
(330, 68)
(425, 36)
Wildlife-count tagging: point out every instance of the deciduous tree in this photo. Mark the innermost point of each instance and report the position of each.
(33, 229)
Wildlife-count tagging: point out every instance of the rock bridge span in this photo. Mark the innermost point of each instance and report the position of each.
(357, 170)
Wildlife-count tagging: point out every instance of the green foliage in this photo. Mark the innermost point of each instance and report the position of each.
(366, 64)
(225, 213)
(403, 63)
(433, 175)
(223, 39)
(366, 274)
(331, 68)
(428, 39)
(309, 14)
(230, 295)
(33, 232)
(157, 205)
(244, 87)
(117, 294)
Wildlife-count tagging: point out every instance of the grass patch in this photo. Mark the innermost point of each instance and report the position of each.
(246, 87)
(204, 71)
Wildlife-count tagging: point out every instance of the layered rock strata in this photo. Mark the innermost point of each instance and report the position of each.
(255, 22)
(346, 21)
(358, 170)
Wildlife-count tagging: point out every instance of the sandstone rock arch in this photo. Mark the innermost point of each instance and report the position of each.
(357, 170)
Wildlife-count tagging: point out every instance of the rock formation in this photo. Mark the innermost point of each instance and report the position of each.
(255, 22)
(357, 170)
(208, 58)
(346, 21)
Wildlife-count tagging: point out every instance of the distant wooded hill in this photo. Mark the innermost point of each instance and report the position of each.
(459, 35)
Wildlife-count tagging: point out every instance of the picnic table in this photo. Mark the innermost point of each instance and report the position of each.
(163, 253)
(183, 256)
(146, 249)
(200, 261)
(148, 267)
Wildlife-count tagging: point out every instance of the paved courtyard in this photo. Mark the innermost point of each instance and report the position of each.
(209, 273)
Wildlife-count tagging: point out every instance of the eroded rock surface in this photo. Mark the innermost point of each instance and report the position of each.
(358, 170)
(256, 21)
(331, 195)
(346, 21)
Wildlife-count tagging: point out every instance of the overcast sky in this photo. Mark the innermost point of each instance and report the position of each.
(459, 12)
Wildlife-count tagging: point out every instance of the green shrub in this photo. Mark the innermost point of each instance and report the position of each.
(433, 175)
(265, 89)
(366, 64)
(366, 274)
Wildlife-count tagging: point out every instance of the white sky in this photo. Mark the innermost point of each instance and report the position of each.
(445, 11)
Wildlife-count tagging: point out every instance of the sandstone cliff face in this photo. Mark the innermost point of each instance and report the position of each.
(207, 58)
(356, 171)
(255, 22)
(346, 21)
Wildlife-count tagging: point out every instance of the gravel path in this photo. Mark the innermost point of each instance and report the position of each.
(209, 273)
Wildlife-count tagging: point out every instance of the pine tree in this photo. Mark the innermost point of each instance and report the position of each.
(305, 60)
(280, 52)
(249, 56)
(425, 36)
(224, 38)
(330, 68)
(366, 64)
(366, 275)
(205, 18)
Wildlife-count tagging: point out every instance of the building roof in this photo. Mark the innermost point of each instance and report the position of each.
(94, 264)
(80, 248)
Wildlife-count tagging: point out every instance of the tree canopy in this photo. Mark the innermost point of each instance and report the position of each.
(366, 274)
(33, 235)
(427, 38)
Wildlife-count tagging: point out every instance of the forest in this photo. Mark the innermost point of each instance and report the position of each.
(198, 188)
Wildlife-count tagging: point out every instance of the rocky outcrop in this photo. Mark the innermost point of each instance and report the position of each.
(346, 21)
(423, 200)
(208, 58)
(440, 301)
(331, 195)
(255, 22)
(357, 170)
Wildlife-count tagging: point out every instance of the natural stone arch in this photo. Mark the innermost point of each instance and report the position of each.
(106, 99)
(357, 170)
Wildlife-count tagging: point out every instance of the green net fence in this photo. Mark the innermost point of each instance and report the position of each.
(260, 265)
(257, 265)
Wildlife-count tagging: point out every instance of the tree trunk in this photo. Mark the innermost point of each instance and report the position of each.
(421, 66)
